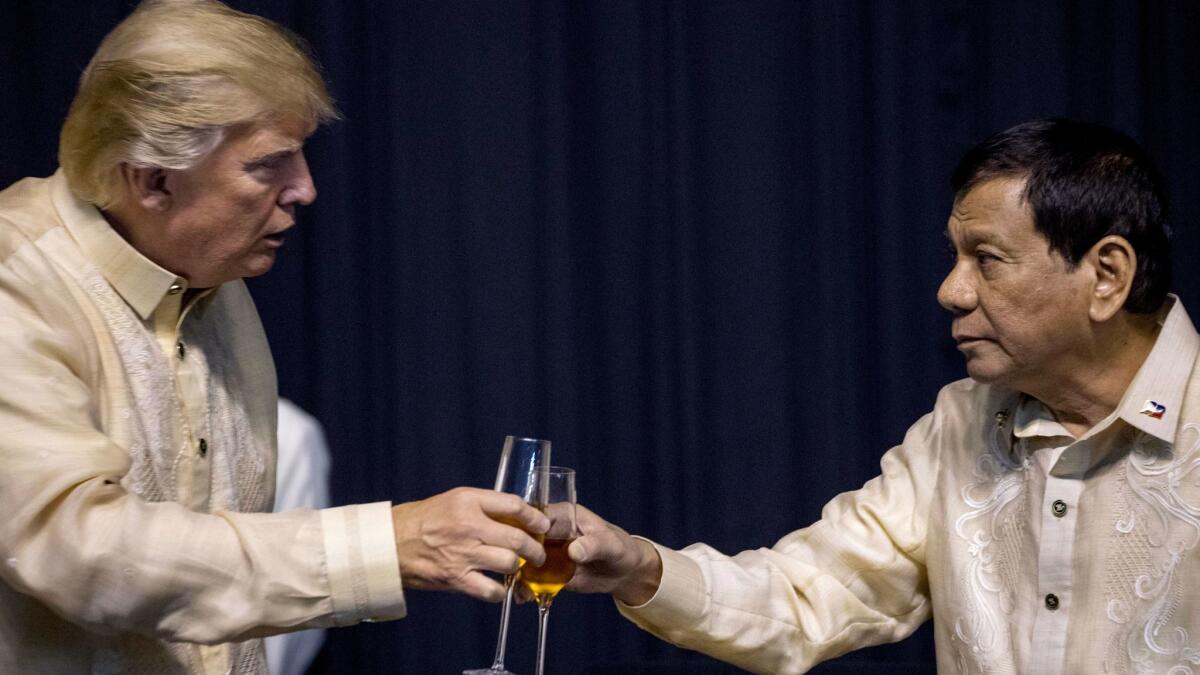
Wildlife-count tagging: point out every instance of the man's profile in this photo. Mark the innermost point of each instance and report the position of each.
(1046, 513)
(138, 402)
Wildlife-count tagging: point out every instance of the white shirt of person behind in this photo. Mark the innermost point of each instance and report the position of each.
(301, 481)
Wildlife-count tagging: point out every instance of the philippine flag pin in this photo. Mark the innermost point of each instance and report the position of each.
(1153, 409)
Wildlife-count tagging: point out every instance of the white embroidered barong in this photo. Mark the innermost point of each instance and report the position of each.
(1034, 552)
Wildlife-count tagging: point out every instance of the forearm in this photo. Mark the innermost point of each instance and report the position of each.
(766, 611)
(108, 560)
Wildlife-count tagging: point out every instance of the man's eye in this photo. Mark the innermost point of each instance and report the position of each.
(267, 163)
(985, 259)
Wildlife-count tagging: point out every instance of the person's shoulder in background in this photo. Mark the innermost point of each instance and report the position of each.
(301, 482)
(302, 469)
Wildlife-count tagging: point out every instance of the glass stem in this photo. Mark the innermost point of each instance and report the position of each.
(502, 640)
(543, 620)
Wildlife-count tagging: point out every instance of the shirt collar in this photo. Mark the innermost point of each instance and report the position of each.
(1153, 401)
(1033, 418)
(1154, 397)
(141, 282)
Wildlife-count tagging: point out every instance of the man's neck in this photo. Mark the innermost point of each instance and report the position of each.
(1093, 389)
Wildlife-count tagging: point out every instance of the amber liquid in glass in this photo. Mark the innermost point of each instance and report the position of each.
(558, 569)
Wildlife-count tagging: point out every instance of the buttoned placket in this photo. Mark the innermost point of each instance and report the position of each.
(194, 470)
(1059, 515)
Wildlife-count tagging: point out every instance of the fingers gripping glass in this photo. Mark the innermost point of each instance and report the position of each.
(520, 459)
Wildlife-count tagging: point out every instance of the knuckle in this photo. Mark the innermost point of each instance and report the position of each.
(509, 503)
(455, 578)
(517, 541)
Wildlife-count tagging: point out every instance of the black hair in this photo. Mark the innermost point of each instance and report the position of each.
(1083, 182)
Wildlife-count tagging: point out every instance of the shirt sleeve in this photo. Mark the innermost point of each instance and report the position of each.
(855, 578)
(74, 539)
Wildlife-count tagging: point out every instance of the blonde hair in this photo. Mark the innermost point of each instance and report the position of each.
(169, 80)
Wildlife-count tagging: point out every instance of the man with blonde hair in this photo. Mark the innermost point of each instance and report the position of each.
(138, 404)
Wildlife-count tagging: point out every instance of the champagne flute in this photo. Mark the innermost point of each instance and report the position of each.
(554, 495)
(520, 460)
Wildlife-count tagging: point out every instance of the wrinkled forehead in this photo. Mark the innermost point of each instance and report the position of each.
(993, 210)
(997, 198)
(275, 132)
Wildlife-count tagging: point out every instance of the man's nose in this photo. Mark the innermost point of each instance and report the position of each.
(957, 293)
(301, 189)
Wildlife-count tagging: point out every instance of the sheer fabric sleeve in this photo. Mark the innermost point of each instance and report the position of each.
(855, 578)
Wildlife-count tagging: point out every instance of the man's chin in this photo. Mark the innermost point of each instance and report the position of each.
(983, 374)
(259, 266)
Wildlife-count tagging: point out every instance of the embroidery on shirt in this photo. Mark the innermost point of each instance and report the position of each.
(153, 449)
(1168, 525)
(238, 458)
(990, 528)
(239, 462)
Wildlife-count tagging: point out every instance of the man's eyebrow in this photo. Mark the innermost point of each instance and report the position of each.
(972, 235)
(276, 154)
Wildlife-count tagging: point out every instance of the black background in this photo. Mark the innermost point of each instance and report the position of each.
(696, 244)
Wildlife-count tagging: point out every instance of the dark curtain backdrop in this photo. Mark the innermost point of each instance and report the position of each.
(696, 244)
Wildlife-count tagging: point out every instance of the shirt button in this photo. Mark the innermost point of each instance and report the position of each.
(175, 289)
(204, 453)
(180, 350)
(1051, 601)
(1058, 508)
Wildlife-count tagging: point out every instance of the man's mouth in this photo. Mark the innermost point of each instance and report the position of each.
(275, 239)
(968, 340)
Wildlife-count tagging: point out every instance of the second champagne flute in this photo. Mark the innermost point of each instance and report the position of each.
(554, 495)
(520, 461)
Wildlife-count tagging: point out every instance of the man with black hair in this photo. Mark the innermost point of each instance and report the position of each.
(1047, 511)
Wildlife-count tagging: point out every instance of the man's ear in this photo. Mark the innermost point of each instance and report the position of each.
(147, 187)
(1115, 264)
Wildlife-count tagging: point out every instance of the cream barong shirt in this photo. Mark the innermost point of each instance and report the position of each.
(1034, 552)
(137, 450)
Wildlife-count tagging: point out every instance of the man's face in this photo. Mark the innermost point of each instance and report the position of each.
(227, 215)
(1020, 312)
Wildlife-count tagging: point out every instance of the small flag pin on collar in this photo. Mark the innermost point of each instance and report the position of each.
(1153, 409)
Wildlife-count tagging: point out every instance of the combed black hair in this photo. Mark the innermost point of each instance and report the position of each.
(1083, 182)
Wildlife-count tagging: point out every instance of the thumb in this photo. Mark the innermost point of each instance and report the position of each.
(580, 550)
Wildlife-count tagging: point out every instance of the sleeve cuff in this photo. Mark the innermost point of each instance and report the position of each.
(681, 595)
(360, 554)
